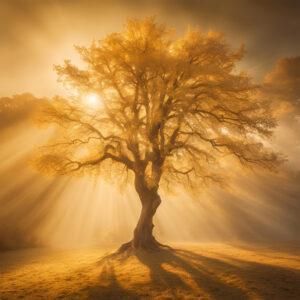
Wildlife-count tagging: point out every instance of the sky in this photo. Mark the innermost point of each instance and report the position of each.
(35, 35)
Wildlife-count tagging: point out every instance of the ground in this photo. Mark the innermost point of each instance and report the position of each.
(198, 271)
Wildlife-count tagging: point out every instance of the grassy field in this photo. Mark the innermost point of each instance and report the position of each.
(198, 271)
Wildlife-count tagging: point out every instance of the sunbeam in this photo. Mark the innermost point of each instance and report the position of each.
(149, 150)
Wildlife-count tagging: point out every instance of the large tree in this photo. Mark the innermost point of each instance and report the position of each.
(171, 109)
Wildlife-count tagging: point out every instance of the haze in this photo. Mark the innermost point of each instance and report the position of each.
(35, 210)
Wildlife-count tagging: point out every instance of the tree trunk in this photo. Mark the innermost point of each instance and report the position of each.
(143, 237)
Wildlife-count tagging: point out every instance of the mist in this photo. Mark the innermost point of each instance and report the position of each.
(200, 118)
(74, 212)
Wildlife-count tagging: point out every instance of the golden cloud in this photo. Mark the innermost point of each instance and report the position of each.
(282, 85)
(17, 108)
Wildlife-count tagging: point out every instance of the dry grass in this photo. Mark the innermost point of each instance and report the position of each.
(202, 271)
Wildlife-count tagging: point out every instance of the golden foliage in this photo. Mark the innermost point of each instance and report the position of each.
(171, 110)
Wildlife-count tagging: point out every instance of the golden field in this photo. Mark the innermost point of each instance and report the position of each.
(189, 271)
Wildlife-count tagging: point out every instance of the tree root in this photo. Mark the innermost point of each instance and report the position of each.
(151, 247)
(125, 247)
(128, 250)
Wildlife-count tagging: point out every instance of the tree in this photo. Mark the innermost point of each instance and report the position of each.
(170, 110)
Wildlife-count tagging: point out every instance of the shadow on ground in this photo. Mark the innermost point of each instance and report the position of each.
(179, 274)
(110, 287)
(199, 271)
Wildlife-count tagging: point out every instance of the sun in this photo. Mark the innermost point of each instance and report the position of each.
(93, 100)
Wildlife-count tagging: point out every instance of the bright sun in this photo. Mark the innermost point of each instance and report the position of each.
(92, 100)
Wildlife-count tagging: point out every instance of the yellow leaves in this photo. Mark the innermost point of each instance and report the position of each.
(72, 75)
(146, 35)
(171, 105)
(48, 164)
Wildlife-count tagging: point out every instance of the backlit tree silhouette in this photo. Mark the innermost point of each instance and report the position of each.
(164, 112)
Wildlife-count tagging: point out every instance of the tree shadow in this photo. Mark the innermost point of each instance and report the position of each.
(109, 287)
(283, 248)
(181, 262)
(250, 278)
(180, 272)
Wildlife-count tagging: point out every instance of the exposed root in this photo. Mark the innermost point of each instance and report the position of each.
(125, 247)
(151, 247)
(128, 250)
(165, 246)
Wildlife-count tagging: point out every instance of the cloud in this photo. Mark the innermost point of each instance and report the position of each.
(17, 108)
(282, 88)
(283, 84)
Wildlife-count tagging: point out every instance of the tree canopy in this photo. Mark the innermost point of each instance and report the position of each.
(170, 109)
(160, 111)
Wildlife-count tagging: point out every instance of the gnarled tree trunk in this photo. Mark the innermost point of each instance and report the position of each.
(143, 234)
